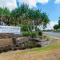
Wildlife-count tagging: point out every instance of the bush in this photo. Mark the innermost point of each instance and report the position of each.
(26, 33)
(24, 28)
(32, 34)
(40, 33)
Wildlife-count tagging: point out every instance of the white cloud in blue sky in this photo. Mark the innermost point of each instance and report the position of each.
(42, 1)
(11, 4)
(57, 1)
(32, 3)
(51, 24)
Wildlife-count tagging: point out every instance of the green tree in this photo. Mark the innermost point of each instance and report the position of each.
(4, 15)
(56, 27)
(19, 14)
(24, 15)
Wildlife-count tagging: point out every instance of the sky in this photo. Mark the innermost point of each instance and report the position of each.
(51, 7)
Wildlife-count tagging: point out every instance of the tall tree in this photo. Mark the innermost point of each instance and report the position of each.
(19, 13)
(56, 27)
(30, 17)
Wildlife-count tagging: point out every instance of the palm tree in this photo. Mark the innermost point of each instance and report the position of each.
(24, 15)
(19, 13)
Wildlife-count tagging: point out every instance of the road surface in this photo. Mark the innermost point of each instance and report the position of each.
(55, 34)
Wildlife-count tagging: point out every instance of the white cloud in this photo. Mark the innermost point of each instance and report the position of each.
(32, 3)
(42, 1)
(28, 2)
(51, 24)
(57, 1)
(11, 4)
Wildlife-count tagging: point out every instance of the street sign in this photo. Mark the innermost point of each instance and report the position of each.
(10, 29)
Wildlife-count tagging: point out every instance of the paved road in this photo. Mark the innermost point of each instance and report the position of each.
(55, 34)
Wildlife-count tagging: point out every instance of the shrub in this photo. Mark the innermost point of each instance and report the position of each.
(24, 28)
(26, 33)
(33, 34)
(40, 33)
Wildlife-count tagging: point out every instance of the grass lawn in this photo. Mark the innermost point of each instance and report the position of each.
(55, 45)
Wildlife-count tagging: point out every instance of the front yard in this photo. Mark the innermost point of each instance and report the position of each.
(51, 52)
